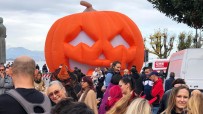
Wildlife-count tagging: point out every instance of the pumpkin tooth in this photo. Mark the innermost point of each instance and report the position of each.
(84, 67)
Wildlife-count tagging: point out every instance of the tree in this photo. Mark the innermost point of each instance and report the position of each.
(185, 41)
(161, 44)
(189, 12)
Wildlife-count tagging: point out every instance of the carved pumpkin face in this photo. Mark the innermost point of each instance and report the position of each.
(95, 38)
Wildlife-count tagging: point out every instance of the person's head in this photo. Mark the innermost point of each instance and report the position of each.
(2, 68)
(116, 65)
(178, 82)
(100, 73)
(115, 92)
(110, 66)
(139, 106)
(106, 69)
(56, 91)
(86, 82)
(23, 67)
(172, 74)
(126, 72)
(195, 92)
(9, 71)
(178, 99)
(154, 76)
(115, 79)
(39, 75)
(74, 78)
(61, 104)
(133, 70)
(121, 105)
(75, 68)
(96, 69)
(67, 106)
(127, 84)
(195, 104)
(147, 70)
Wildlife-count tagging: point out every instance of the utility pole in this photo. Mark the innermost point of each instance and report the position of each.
(200, 39)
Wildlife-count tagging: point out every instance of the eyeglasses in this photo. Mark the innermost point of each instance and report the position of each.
(1, 69)
(56, 92)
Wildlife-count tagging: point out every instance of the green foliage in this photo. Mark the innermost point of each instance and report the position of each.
(161, 44)
(185, 41)
(189, 12)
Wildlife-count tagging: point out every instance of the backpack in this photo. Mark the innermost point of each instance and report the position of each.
(29, 107)
(147, 89)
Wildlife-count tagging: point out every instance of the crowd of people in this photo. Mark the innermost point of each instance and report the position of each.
(26, 89)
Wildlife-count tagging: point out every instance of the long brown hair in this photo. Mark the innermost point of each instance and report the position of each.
(91, 87)
(172, 98)
(121, 106)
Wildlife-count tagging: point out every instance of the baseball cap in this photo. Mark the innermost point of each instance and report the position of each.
(154, 73)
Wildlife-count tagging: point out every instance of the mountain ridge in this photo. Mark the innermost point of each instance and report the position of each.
(14, 52)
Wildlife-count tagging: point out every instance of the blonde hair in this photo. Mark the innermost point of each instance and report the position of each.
(120, 106)
(139, 106)
(195, 104)
(195, 92)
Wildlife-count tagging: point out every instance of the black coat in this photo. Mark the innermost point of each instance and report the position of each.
(168, 83)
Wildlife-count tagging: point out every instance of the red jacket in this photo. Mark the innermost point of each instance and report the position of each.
(157, 90)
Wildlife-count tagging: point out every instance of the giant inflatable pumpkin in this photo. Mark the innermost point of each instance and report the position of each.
(94, 38)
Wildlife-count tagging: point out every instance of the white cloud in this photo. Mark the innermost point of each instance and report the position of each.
(28, 22)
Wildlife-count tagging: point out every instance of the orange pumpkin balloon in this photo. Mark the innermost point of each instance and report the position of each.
(106, 31)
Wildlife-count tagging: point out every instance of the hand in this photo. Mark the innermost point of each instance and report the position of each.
(103, 89)
(2, 74)
(98, 100)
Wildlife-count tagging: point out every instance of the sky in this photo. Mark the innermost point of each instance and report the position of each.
(28, 21)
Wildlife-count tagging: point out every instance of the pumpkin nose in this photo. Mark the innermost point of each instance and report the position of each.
(102, 57)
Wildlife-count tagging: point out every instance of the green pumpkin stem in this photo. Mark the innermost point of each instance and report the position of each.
(87, 5)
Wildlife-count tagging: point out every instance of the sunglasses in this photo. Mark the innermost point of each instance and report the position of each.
(1, 69)
(56, 92)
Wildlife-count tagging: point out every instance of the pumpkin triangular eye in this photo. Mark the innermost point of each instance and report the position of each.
(82, 38)
(118, 40)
